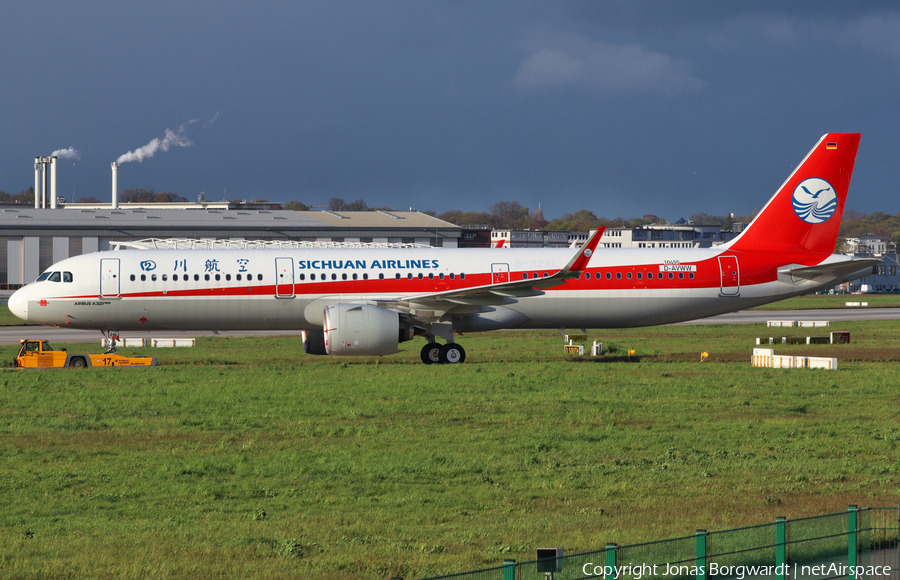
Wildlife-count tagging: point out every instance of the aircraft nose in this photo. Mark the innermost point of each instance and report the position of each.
(18, 305)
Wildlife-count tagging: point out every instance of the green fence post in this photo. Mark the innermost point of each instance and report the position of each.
(509, 570)
(852, 546)
(780, 547)
(611, 560)
(701, 554)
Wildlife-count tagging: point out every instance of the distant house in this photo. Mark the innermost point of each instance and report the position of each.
(868, 244)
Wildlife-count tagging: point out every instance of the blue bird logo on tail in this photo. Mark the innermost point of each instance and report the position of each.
(818, 207)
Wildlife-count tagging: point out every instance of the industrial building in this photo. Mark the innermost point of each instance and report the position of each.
(648, 236)
(33, 239)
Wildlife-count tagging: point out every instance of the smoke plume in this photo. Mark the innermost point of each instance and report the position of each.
(172, 139)
(68, 153)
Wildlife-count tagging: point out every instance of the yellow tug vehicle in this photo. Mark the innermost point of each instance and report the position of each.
(38, 354)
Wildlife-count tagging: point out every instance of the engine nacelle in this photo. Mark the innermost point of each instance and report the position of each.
(362, 329)
(314, 342)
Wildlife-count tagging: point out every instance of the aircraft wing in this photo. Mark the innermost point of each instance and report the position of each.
(507, 292)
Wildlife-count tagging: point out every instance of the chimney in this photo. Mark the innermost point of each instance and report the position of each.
(52, 182)
(43, 183)
(37, 183)
(115, 185)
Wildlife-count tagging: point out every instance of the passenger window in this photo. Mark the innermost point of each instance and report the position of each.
(421, 275)
(67, 276)
(343, 276)
(365, 276)
(671, 275)
(681, 275)
(228, 277)
(302, 277)
(452, 276)
(397, 275)
(442, 276)
(238, 277)
(153, 277)
(206, 277)
(618, 275)
(461, 276)
(259, 277)
(165, 277)
(334, 276)
(691, 275)
(54, 277)
(431, 276)
(639, 276)
(354, 276)
(218, 277)
(409, 276)
(381, 276)
(196, 277)
(524, 275)
(628, 275)
(143, 277)
(132, 277)
(311, 276)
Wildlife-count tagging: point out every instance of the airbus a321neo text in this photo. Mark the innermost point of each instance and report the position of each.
(358, 302)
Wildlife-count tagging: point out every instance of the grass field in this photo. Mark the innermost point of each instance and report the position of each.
(241, 458)
(830, 301)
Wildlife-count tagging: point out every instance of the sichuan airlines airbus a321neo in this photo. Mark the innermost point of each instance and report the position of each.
(365, 301)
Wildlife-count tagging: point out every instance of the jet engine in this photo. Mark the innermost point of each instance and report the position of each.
(314, 342)
(362, 329)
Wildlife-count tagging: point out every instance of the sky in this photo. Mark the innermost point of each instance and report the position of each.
(622, 108)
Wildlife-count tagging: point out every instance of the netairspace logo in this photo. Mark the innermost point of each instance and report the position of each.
(815, 200)
(637, 571)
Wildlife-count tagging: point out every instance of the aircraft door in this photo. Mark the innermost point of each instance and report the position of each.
(109, 278)
(284, 277)
(499, 273)
(730, 275)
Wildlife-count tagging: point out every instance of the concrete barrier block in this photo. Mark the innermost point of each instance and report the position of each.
(172, 342)
(818, 362)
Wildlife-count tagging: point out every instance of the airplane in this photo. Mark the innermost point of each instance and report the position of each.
(366, 301)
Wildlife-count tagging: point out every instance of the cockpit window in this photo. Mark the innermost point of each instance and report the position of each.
(43, 277)
(54, 277)
(67, 276)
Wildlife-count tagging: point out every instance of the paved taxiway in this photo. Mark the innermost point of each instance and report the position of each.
(12, 334)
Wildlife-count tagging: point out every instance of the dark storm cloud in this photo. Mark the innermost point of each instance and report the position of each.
(624, 108)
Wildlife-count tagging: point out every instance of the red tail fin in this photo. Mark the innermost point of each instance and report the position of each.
(806, 212)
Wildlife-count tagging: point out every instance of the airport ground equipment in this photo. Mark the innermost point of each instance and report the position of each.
(39, 354)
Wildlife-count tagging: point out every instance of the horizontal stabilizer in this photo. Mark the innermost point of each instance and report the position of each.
(836, 270)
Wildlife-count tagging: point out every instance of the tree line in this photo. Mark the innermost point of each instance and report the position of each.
(515, 216)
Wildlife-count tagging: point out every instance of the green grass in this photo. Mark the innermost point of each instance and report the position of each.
(244, 458)
(7, 318)
(814, 301)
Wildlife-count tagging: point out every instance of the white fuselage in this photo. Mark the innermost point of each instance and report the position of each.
(233, 289)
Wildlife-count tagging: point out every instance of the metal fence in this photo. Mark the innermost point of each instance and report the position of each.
(859, 544)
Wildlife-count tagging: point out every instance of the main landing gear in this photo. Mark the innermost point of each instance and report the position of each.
(450, 353)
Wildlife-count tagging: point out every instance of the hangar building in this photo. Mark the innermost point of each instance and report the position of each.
(33, 239)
